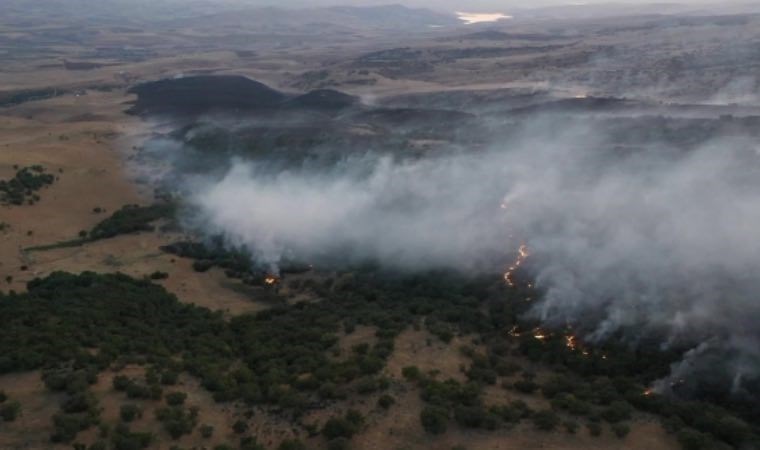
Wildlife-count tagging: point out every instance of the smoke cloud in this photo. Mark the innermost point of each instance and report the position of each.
(654, 241)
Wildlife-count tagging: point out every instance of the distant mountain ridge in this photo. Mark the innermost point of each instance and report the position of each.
(202, 94)
(386, 17)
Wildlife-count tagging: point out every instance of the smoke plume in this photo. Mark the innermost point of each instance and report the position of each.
(649, 241)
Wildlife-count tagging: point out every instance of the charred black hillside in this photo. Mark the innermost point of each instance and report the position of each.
(192, 96)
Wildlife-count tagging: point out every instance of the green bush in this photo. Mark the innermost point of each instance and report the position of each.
(177, 421)
(124, 439)
(169, 378)
(621, 430)
(121, 382)
(545, 420)
(240, 427)
(617, 412)
(525, 386)
(571, 426)
(385, 401)
(434, 419)
(9, 411)
(175, 398)
(337, 427)
(340, 443)
(20, 189)
(129, 412)
(594, 429)
(291, 444)
(411, 373)
(691, 439)
(207, 431)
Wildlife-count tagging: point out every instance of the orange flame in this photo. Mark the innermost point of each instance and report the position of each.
(271, 280)
(522, 255)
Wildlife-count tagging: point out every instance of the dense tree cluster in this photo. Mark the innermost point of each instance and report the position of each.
(23, 186)
(237, 262)
(75, 326)
(127, 220)
(131, 219)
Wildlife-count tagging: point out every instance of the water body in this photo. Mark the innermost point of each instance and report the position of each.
(473, 18)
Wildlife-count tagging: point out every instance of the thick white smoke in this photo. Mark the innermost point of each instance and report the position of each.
(625, 241)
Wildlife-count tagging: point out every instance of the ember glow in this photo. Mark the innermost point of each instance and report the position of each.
(522, 255)
(271, 280)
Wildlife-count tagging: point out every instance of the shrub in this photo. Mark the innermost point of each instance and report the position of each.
(9, 411)
(594, 429)
(571, 426)
(121, 382)
(135, 390)
(67, 426)
(250, 443)
(385, 401)
(337, 427)
(545, 420)
(202, 266)
(617, 412)
(98, 445)
(340, 443)
(123, 439)
(291, 444)
(470, 416)
(434, 419)
(525, 386)
(240, 427)
(411, 373)
(169, 378)
(207, 431)
(691, 439)
(175, 398)
(621, 430)
(129, 412)
(78, 402)
(177, 421)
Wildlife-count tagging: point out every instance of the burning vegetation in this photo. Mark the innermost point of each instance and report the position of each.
(522, 255)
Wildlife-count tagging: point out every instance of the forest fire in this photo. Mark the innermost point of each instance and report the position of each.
(271, 280)
(570, 342)
(522, 255)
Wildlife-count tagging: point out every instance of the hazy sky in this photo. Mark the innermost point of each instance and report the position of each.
(469, 5)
